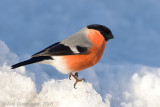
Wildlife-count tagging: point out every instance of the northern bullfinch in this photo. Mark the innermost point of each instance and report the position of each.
(75, 53)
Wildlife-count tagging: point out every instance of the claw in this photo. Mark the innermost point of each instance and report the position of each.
(82, 79)
(77, 80)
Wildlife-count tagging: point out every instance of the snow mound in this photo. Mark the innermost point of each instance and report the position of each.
(144, 89)
(19, 90)
(15, 87)
(61, 93)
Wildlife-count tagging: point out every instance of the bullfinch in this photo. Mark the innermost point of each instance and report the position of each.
(75, 53)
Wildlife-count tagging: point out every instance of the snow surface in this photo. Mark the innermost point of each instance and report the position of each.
(113, 86)
(15, 87)
(19, 90)
(62, 94)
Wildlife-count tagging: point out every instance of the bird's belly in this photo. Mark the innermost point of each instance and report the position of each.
(79, 62)
(72, 63)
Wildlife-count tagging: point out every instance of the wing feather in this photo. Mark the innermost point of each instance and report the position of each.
(59, 49)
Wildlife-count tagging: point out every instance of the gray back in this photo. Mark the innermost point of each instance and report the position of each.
(78, 39)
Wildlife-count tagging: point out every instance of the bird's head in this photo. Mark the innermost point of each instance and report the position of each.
(106, 32)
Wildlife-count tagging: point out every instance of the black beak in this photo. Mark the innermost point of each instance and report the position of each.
(111, 36)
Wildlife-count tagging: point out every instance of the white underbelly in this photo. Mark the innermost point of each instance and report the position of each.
(58, 63)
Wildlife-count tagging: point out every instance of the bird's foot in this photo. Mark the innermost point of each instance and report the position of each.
(77, 80)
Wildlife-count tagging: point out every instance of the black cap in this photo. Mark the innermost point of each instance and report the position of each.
(106, 32)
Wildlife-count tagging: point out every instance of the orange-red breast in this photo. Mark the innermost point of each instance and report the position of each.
(75, 53)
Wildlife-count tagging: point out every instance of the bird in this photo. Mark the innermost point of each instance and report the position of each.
(75, 53)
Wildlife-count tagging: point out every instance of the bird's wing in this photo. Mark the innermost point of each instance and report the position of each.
(59, 49)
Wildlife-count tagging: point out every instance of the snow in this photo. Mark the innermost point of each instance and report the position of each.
(15, 87)
(62, 94)
(113, 86)
(19, 90)
(129, 85)
(144, 89)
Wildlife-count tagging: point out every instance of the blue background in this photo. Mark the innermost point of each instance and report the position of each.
(28, 26)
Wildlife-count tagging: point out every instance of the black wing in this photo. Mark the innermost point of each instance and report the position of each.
(58, 49)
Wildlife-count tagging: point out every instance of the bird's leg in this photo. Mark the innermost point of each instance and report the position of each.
(77, 80)
(70, 76)
(76, 74)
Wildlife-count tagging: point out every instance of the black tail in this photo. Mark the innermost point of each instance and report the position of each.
(31, 61)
